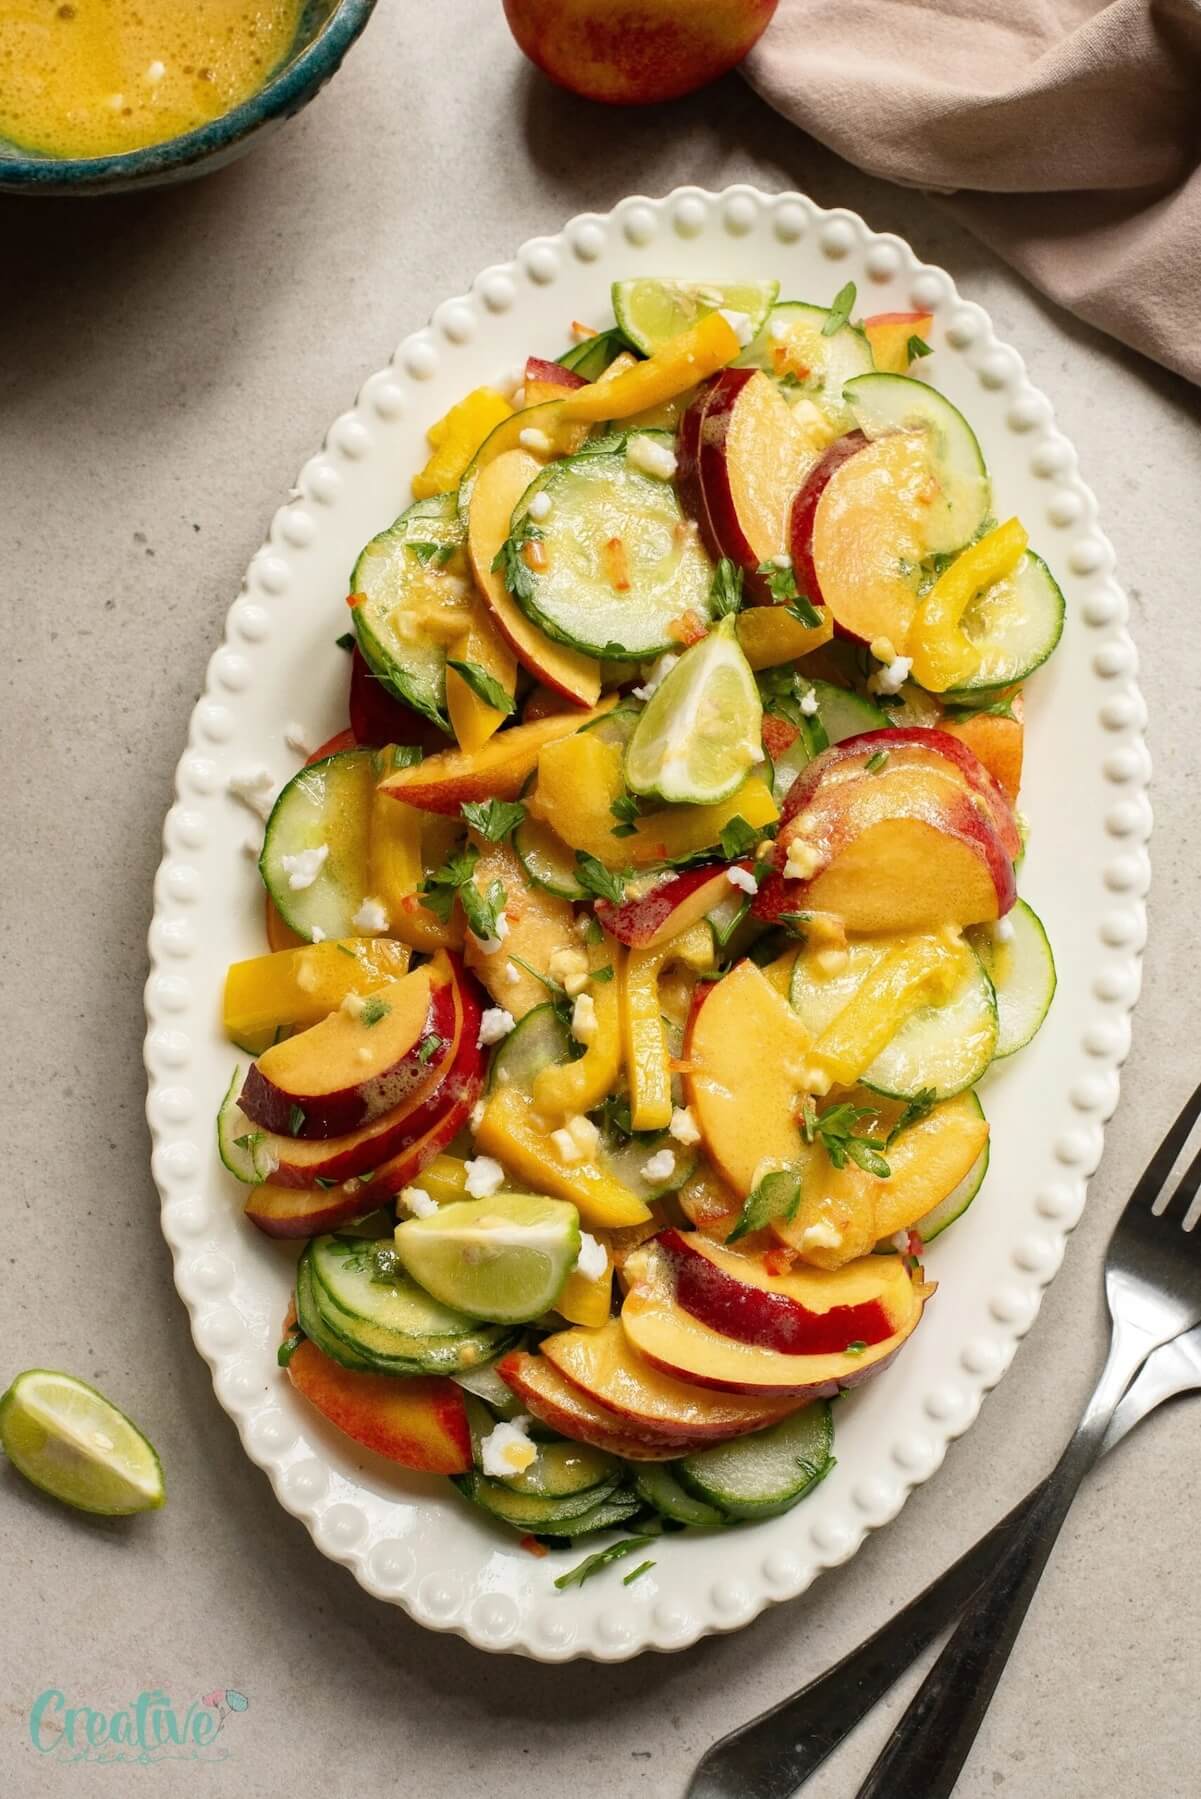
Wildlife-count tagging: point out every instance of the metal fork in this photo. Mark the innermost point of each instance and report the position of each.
(1153, 1286)
(775, 1753)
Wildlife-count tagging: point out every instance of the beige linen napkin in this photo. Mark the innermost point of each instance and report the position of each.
(1066, 134)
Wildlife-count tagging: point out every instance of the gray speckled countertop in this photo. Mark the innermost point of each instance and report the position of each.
(168, 363)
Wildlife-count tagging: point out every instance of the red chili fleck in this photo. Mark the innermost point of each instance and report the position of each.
(778, 735)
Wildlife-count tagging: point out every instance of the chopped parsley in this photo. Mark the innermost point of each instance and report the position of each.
(440, 888)
(776, 1195)
(626, 809)
(407, 755)
(325, 1183)
(429, 1047)
(373, 1010)
(875, 762)
(725, 595)
(493, 819)
(289, 1346)
(605, 883)
(737, 837)
(437, 554)
(510, 563)
(636, 1573)
(601, 975)
(855, 1348)
(782, 586)
(347, 951)
(296, 1121)
(482, 910)
(918, 347)
(840, 309)
(548, 981)
(346, 641)
(484, 686)
(594, 1563)
(835, 1130)
(919, 1107)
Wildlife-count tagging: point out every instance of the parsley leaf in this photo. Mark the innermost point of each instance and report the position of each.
(840, 309)
(917, 347)
(922, 1103)
(835, 1129)
(548, 981)
(484, 686)
(875, 762)
(373, 1010)
(346, 641)
(855, 1348)
(439, 889)
(594, 1563)
(324, 1182)
(406, 755)
(483, 909)
(996, 709)
(605, 883)
(642, 1568)
(430, 1047)
(782, 585)
(725, 595)
(776, 1195)
(601, 975)
(493, 819)
(737, 837)
(437, 553)
(295, 1121)
(509, 561)
(289, 1346)
(626, 809)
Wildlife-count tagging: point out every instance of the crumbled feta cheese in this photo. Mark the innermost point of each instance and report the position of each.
(418, 1202)
(809, 702)
(353, 1004)
(815, 1081)
(255, 788)
(484, 1176)
(900, 1242)
(806, 823)
(778, 329)
(892, 677)
(683, 1126)
(743, 879)
(659, 1167)
(303, 868)
(370, 917)
(739, 323)
(294, 737)
(578, 1139)
(653, 458)
(803, 861)
(1003, 930)
(583, 1018)
(821, 1235)
(512, 973)
(537, 442)
(316, 935)
(363, 1055)
(156, 71)
(569, 966)
(540, 507)
(507, 1450)
(592, 1261)
(477, 1114)
(782, 560)
(495, 1024)
(656, 676)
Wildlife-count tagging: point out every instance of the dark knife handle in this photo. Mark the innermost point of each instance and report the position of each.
(775, 1753)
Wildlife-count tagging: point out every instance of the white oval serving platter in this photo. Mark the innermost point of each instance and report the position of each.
(408, 1539)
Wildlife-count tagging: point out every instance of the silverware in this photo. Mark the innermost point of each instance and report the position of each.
(1153, 1288)
(775, 1753)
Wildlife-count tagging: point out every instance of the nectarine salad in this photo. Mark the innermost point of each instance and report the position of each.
(637, 952)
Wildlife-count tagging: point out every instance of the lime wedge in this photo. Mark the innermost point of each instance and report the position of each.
(701, 730)
(656, 309)
(504, 1258)
(69, 1441)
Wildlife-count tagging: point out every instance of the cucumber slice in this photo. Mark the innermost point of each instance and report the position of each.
(883, 403)
(794, 350)
(1023, 974)
(956, 1203)
(539, 1039)
(311, 1322)
(840, 713)
(766, 1473)
(592, 357)
(400, 583)
(620, 567)
(547, 861)
(486, 1384)
(327, 806)
(654, 309)
(238, 1138)
(945, 1047)
(563, 1470)
(348, 1270)
(1015, 624)
(655, 1483)
(615, 1508)
(625, 1158)
(532, 1511)
(358, 1343)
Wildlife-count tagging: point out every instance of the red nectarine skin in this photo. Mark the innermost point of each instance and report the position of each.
(552, 1398)
(552, 374)
(418, 1422)
(755, 1315)
(377, 717)
(688, 467)
(636, 52)
(643, 923)
(804, 510)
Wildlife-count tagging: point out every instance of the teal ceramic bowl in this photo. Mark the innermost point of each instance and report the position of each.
(327, 30)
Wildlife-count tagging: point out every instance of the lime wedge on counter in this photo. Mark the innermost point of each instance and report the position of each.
(701, 730)
(504, 1258)
(69, 1441)
(656, 309)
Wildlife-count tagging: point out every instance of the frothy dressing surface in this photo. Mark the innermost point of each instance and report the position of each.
(97, 77)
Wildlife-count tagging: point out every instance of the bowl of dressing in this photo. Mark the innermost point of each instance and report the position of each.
(101, 95)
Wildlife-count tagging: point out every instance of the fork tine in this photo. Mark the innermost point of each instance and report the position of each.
(1186, 1189)
(1155, 1174)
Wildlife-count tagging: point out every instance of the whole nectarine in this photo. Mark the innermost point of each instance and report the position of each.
(634, 52)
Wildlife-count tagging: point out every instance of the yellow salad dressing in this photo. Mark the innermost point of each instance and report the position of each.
(96, 77)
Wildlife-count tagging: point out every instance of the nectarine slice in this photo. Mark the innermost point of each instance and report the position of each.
(753, 458)
(419, 1421)
(564, 1407)
(498, 771)
(294, 988)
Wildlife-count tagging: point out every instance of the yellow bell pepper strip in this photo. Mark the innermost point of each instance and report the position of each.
(643, 1037)
(918, 971)
(683, 361)
(943, 656)
(472, 719)
(444, 1179)
(517, 1135)
(295, 988)
(567, 1088)
(769, 635)
(579, 777)
(456, 437)
(586, 1302)
(394, 852)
